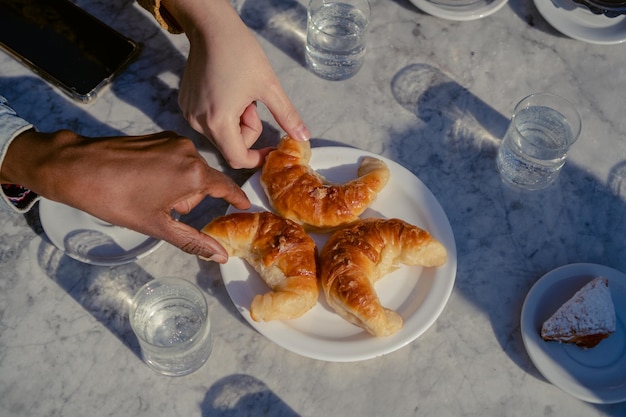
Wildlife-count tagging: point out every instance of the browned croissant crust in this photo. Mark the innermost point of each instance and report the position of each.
(281, 252)
(355, 257)
(297, 192)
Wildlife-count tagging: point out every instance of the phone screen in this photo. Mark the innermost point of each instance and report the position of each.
(64, 44)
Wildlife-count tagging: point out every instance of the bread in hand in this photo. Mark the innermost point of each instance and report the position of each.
(281, 252)
(357, 256)
(297, 192)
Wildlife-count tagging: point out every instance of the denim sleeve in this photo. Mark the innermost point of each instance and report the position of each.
(13, 196)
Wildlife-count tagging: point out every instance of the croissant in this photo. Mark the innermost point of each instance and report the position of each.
(357, 256)
(281, 252)
(297, 192)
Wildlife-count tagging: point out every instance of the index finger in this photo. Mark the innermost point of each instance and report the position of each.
(222, 186)
(285, 113)
(210, 182)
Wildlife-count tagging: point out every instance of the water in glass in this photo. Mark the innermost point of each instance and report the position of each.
(335, 44)
(534, 148)
(173, 329)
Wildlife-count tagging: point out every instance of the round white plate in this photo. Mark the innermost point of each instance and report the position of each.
(91, 240)
(476, 10)
(579, 23)
(596, 375)
(418, 295)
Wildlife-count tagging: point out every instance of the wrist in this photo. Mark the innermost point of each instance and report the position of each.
(202, 16)
(32, 161)
(16, 161)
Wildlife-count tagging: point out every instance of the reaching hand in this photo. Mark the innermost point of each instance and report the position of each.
(130, 181)
(226, 74)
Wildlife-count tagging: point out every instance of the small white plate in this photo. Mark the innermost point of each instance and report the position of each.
(91, 240)
(578, 22)
(418, 294)
(473, 11)
(596, 375)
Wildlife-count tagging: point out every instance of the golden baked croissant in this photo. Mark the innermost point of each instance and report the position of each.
(355, 257)
(281, 252)
(297, 192)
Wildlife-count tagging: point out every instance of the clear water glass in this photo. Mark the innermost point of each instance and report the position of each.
(543, 128)
(336, 37)
(170, 318)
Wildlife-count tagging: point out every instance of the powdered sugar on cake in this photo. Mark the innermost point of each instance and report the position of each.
(586, 318)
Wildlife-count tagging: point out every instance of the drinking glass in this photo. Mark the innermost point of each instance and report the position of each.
(336, 37)
(170, 318)
(543, 127)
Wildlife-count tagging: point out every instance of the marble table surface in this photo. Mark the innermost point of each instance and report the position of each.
(434, 95)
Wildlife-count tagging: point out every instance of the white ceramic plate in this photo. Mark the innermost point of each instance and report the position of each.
(447, 10)
(90, 240)
(596, 375)
(418, 295)
(579, 23)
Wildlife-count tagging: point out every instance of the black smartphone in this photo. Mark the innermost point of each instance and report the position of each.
(64, 44)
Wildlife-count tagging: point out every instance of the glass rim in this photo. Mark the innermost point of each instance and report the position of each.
(181, 282)
(575, 124)
(368, 15)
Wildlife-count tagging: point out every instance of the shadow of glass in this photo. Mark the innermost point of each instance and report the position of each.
(506, 238)
(105, 292)
(282, 22)
(241, 395)
(94, 246)
(444, 104)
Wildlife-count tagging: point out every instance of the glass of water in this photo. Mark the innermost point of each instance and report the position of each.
(336, 37)
(170, 318)
(543, 128)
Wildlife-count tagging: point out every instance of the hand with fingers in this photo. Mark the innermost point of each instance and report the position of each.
(226, 74)
(131, 181)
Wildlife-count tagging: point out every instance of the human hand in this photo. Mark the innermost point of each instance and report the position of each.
(226, 74)
(132, 181)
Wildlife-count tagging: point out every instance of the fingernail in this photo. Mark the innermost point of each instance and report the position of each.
(302, 133)
(214, 258)
(218, 258)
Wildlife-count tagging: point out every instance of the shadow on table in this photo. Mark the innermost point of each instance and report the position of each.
(528, 12)
(282, 22)
(506, 239)
(243, 395)
(106, 292)
(48, 110)
(150, 84)
(103, 291)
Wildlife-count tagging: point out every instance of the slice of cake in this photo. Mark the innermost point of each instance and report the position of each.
(585, 319)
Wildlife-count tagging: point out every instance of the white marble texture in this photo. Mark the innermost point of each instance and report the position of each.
(433, 95)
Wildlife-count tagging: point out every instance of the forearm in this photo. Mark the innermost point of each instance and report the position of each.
(177, 16)
(205, 16)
